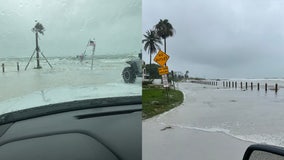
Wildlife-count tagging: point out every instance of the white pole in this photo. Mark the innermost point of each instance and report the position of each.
(93, 56)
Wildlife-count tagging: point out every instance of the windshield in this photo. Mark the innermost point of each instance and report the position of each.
(58, 50)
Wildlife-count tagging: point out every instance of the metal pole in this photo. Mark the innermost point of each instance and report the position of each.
(173, 80)
(30, 60)
(93, 57)
(46, 59)
(86, 48)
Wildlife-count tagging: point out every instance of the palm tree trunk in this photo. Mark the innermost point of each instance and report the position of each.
(37, 52)
(165, 45)
(165, 48)
(150, 67)
(150, 58)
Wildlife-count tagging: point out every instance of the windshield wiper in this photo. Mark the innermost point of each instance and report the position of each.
(68, 106)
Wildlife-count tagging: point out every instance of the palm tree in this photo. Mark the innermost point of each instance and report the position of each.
(164, 30)
(186, 74)
(38, 28)
(152, 41)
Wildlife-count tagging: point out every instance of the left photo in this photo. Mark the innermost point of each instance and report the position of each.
(70, 80)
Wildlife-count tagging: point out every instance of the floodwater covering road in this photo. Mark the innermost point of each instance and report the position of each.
(214, 123)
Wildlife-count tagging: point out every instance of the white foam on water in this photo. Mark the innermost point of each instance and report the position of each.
(246, 115)
(69, 80)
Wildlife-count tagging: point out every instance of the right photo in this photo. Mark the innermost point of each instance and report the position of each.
(213, 80)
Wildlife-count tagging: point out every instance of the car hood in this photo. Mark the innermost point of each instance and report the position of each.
(67, 94)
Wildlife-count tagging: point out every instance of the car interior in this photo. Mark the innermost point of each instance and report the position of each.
(104, 129)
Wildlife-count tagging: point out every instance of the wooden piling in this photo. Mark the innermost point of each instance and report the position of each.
(18, 67)
(233, 84)
(223, 84)
(246, 85)
(265, 87)
(226, 84)
(241, 85)
(229, 84)
(276, 88)
(251, 86)
(3, 67)
(236, 84)
(258, 86)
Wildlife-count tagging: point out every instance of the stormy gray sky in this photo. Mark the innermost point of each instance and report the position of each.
(221, 38)
(115, 25)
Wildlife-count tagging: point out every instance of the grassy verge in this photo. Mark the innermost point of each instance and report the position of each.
(155, 100)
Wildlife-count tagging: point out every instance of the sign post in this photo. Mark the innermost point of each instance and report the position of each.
(165, 80)
(161, 58)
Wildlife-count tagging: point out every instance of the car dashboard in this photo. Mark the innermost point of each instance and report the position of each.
(103, 133)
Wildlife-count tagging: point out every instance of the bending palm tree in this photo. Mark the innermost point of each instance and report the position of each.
(164, 30)
(151, 42)
(38, 29)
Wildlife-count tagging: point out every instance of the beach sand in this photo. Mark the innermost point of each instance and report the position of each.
(191, 130)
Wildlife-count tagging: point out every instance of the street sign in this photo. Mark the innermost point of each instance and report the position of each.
(161, 58)
(163, 70)
(165, 80)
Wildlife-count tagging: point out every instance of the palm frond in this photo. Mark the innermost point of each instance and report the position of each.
(38, 28)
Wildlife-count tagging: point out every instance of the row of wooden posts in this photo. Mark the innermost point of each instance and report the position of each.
(245, 85)
(3, 67)
(242, 85)
(213, 83)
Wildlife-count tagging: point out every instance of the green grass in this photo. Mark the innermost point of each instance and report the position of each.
(155, 100)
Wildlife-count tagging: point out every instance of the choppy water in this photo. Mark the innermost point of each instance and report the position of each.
(249, 115)
(66, 71)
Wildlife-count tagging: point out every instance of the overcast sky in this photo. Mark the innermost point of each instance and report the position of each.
(221, 38)
(115, 25)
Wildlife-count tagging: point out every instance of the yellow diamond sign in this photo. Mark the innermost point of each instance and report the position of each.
(163, 70)
(161, 58)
